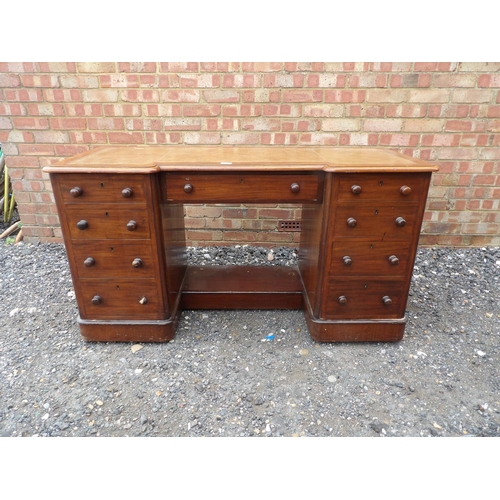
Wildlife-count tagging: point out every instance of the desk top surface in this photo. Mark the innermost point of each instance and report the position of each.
(150, 159)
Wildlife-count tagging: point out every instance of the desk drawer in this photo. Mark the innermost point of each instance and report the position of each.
(120, 299)
(114, 221)
(102, 188)
(114, 259)
(370, 258)
(243, 188)
(377, 222)
(387, 188)
(362, 299)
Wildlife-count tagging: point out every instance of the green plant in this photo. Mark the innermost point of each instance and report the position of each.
(7, 200)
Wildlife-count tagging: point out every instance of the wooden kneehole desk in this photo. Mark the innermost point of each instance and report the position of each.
(122, 218)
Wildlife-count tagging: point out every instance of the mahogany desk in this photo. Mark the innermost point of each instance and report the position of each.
(122, 220)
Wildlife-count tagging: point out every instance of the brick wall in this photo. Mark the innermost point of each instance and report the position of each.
(448, 113)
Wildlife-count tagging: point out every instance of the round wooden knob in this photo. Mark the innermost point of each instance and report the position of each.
(294, 188)
(132, 225)
(405, 190)
(76, 192)
(188, 188)
(400, 222)
(96, 300)
(143, 300)
(347, 260)
(82, 224)
(393, 260)
(127, 193)
(351, 222)
(137, 262)
(342, 300)
(89, 262)
(355, 189)
(386, 300)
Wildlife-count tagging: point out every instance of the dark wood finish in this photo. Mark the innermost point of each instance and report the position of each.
(242, 287)
(122, 219)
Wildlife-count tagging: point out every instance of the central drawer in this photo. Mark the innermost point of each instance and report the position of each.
(246, 187)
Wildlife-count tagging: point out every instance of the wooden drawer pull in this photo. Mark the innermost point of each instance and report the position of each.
(89, 262)
(393, 260)
(405, 190)
(76, 192)
(127, 193)
(356, 189)
(294, 188)
(132, 225)
(386, 300)
(188, 188)
(351, 222)
(347, 260)
(96, 300)
(81, 225)
(137, 262)
(342, 300)
(400, 222)
(143, 300)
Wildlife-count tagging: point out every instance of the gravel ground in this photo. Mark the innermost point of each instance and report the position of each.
(221, 376)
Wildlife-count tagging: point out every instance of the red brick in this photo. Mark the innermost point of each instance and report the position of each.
(23, 95)
(120, 110)
(345, 95)
(406, 110)
(89, 137)
(30, 123)
(17, 67)
(146, 95)
(180, 95)
(125, 137)
(46, 109)
(458, 125)
(63, 95)
(163, 138)
(201, 110)
(241, 81)
(40, 81)
(488, 81)
(302, 95)
(68, 123)
(163, 110)
(36, 149)
(84, 109)
(12, 109)
(222, 124)
(239, 213)
(141, 124)
(242, 110)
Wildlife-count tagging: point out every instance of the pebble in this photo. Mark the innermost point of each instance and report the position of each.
(136, 347)
(218, 377)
